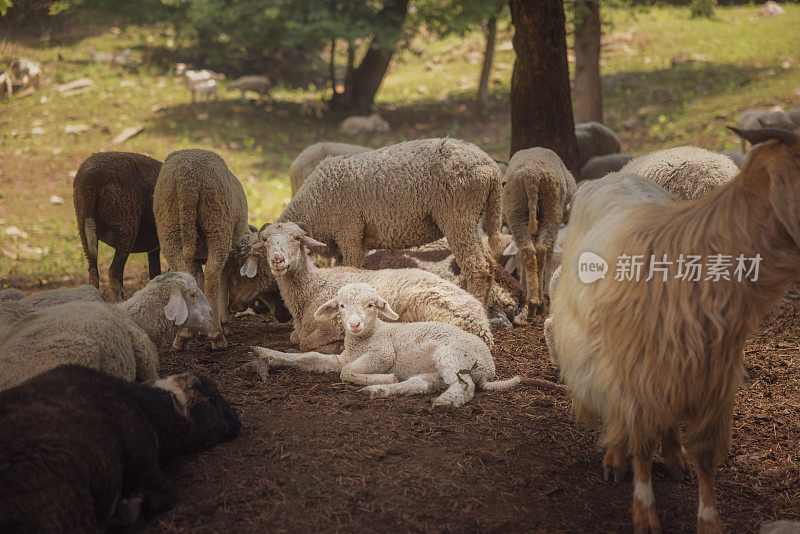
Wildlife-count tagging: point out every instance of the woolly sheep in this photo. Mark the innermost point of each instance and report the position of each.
(780, 527)
(358, 124)
(201, 216)
(595, 139)
(311, 156)
(11, 294)
(396, 359)
(113, 197)
(687, 172)
(121, 339)
(599, 166)
(645, 358)
(508, 305)
(205, 82)
(93, 446)
(403, 196)
(13, 308)
(27, 71)
(538, 189)
(418, 295)
(757, 118)
(258, 84)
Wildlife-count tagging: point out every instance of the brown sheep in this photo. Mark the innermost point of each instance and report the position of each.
(645, 357)
(113, 197)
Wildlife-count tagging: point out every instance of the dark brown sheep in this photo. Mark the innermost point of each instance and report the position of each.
(113, 196)
(83, 450)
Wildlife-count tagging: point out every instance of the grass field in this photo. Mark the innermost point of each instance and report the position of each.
(668, 80)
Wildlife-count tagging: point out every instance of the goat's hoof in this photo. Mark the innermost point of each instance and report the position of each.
(645, 520)
(614, 463)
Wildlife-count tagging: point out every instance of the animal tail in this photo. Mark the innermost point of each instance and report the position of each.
(493, 218)
(187, 222)
(501, 385)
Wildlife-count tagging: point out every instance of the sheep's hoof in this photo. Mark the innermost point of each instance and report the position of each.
(181, 340)
(218, 341)
(614, 463)
(226, 329)
(536, 308)
(375, 392)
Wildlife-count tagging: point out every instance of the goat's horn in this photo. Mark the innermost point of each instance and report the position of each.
(759, 135)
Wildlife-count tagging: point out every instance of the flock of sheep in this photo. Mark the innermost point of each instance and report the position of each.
(421, 277)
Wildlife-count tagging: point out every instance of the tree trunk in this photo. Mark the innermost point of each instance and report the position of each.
(541, 107)
(333, 65)
(486, 69)
(363, 85)
(588, 85)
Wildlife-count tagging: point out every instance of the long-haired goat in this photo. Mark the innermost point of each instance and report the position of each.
(644, 357)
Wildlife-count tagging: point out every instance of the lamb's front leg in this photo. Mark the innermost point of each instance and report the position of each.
(308, 361)
(365, 371)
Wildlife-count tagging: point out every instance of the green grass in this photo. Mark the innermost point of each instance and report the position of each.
(735, 61)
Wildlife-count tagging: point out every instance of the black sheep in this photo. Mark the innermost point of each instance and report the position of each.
(81, 450)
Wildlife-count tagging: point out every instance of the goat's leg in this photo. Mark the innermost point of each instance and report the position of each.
(369, 369)
(708, 521)
(616, 463)
(674, 453)
(308, 361)
(416, 385)
(643, 510)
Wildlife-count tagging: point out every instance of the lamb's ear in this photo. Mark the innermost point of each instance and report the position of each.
(327, 311)
(511, 249)
(314, 245)
(250, 267)
(386, 310)
(176, 309)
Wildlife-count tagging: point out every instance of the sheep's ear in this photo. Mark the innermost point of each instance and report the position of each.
(250, 268)
(386, 310)
(314, 245)
(176, 309)
(511, 249)
(785, 199)
(327, 311)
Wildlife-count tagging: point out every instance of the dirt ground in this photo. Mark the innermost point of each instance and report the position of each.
(317, 455)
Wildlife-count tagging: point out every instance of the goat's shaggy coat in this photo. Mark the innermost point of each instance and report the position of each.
(83, 450)
(646, 357)
(404, 196)
(113, 197)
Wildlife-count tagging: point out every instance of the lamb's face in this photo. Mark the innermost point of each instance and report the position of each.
(285, 245)
(358, 306)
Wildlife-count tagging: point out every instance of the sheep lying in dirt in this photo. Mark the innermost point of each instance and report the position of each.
(201, 215)
(14, 304)
(82, 451)
(358, 124)
(687, 172)
(257, 84)
(538, 189)
(599, 166)
(121, 339)
(645, 358)
(404, 196)
(595, 139)
(113, 197)
(395, 359)
(417, 295)
(311, 156)
(508, 304)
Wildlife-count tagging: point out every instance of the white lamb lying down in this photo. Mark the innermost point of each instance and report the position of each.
(395, 358)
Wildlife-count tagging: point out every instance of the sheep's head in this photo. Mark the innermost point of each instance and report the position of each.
(358, 305)
(285, 245)
(180, 69)
(210, 417)
(244, 290)
(779, 159)
(187, 305)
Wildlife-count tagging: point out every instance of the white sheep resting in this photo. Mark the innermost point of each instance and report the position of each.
(416, 294)
(644, 357)
(395, 358)
(13, 306)
(121, 339)
(687, 172)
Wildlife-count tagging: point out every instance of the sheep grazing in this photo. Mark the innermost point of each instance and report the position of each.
(508, 304)
(395, 359)
(646, 357)
(404, 196)
(687, 172)
(599, 166)
(203, 82)
(121, 340)
(756, 118)
(14, 304)
(358, 124)
(595, 139)
(201, 216)
(82, 451)
(311, 156)
(538, 189)
(417, 295)
(258, 84)
(113, 197)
